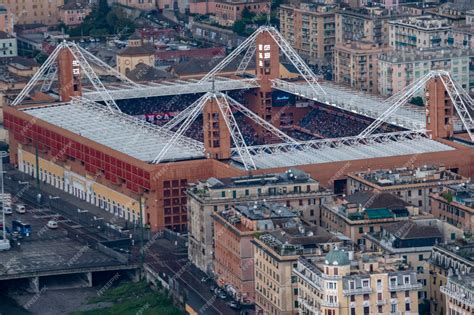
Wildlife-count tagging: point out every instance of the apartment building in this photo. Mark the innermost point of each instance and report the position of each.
(356, 64)
(227, 12)
(412, 241)
(398, 69)
(344, 283)
(137, 52)
(365, 212)
(234, 230)
(310, 29)
(413, 185)
(8, 45)
(459, 294)
(139, 4)
(275, 255)
(419, 32)
(34, 11)
(293, 188)
(368, 24)
(455, 204)
(447, 260)
(74, 12)
(6, 20)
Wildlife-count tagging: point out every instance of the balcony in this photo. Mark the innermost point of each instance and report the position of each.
(357, 291)
(304, 304)
(381, 302)
(404, 287)
(457, 296)
(329, 304)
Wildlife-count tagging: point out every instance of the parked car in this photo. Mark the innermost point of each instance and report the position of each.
(7, 210)
(212, 288)
(52, 224)
(222, 295)
(234, 304)
(20, 208)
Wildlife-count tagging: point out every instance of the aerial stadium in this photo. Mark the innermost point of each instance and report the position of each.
(77, 126)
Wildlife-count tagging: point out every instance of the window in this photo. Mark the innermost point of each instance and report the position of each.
(361, 229)
(394, 308)
(406, 279)
(407, 306)
(393, 281)
(379, 283)
(353, 311)
(365, 283)
(420, 257)
(366, 310)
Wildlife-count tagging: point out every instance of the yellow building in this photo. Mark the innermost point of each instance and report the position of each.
(344, 284)
(34, 11)
(135, 53)
(275, 255)
(86, 188)
(459, 294)
(446, 260)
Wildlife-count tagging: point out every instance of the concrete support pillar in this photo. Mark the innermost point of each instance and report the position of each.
(89, 279)
(34, 284)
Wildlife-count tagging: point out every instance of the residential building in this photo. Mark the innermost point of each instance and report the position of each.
(470, 17)
(6, 20)
(8, 45)
(136, 52)
(139, 4)
(412, 241)
(413, 185)
(398, 69)
(459, 294)
(74, 12)
(419, 32)
(368, 24)
(227, 12)
(275, 255)
(294, 188)
(344, 283)
(356, 63)
(452, 259)
(455, 204)
(462, 36)
(35, 11)
(365, 212)
(310, 29)
(234, 229)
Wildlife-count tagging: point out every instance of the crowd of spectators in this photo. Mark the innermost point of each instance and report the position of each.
(332, 123)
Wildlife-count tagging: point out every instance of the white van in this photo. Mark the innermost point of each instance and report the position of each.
(20, 208)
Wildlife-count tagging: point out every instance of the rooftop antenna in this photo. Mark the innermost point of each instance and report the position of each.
(269, 11)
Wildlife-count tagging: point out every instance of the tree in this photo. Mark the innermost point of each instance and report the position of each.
(247, 15)
(239, 27)
(418, 101)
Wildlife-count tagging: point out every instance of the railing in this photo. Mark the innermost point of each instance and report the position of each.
(329, 304)
(357, 291)
(405, 287)
(457, 296)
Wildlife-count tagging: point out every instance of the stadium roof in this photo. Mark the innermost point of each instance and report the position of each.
(359, 151)
(119, 132)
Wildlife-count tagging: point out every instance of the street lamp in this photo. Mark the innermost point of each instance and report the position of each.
(4, 242)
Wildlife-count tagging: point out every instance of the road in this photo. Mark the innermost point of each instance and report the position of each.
(163, 257)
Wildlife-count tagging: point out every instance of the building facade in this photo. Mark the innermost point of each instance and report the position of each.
(293, 188)
(310, 29)
(455, 205)
(135, 53)
(6, 20)
(447, 260)
(139, 4)
(74, 12)
(275, 255)
(35, 11)
(459, 294)
(342, 283)
(8, 45)
(398, 69)
(234, 230)
(365, 212)
(356, 65)
(368, 24)
(413, 185)
(419, 32)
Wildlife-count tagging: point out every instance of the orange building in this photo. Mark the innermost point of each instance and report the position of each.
(234, 229)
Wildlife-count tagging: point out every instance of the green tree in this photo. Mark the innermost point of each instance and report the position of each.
(239, 27)
(418, 101)
(247, 15)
